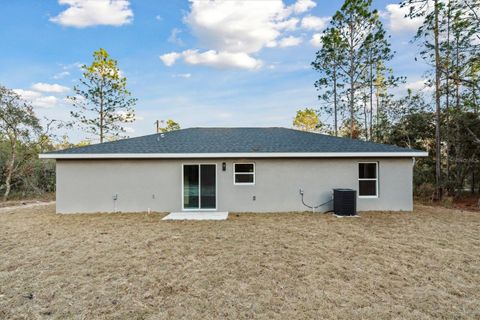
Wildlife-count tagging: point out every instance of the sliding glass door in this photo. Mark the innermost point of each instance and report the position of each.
(199, 186)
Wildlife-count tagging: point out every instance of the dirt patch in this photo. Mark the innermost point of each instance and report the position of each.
(24, 206)
(45, 198)
(421, 265)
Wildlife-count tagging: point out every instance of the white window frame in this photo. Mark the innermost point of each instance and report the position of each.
(251, 173)
(368, 179)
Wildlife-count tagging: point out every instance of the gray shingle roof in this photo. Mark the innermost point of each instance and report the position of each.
(234, 140)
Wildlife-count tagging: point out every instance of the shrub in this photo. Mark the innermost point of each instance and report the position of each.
(425, 191)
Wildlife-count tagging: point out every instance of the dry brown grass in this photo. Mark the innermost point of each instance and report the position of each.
(18, 200)
(417, 265)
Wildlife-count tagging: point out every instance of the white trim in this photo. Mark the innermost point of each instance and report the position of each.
(369, 179)
(250, 173)
(199, 189)
(232, 155)
(195, 215)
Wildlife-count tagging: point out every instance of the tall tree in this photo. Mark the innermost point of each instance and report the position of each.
(18, 124)
(430, 29)
(378, 53)
(307, 120)
(357, 24)
(464, 76)
(102, 102)
(327, 62)
(382, 81)
(438, 172)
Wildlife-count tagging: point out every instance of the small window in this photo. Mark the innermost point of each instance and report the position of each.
(244, 173)
(368, 179)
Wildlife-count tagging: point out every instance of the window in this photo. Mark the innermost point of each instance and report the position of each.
(244, 173)
(368, 179)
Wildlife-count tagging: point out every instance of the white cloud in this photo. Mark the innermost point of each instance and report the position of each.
(232, 31)
(316, 40)
(173, 38)
(37, 99)
(182, 75)
(86, 13)
(67, 70)
(223, 59)
(289, 25)
(53, 88)
(314, 22)
(75, 65)
(236, 26)
(213, 58)
(61, 75)
(398, 22)
(27, 94)
(290, 41)
(45, 102)
(302, 6)
(169, 58)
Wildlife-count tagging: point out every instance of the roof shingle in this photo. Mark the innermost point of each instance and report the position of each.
(234, 140)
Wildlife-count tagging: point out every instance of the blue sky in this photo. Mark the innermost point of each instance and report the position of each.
(201, 63)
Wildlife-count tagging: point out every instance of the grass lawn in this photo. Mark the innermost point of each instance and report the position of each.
(417, 265)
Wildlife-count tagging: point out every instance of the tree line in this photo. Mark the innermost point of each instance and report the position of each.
(357, 89)
(101, 107)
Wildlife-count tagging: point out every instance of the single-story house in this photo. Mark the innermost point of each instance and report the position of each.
(231, 169)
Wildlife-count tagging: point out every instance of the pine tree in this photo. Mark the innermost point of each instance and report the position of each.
(102, 103)
(327, 62)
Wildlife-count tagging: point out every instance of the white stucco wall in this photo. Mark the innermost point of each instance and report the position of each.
(89, 185)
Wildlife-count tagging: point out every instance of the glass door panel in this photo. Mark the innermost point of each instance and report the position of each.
(199, 186)
(207, 186)
(191, 192)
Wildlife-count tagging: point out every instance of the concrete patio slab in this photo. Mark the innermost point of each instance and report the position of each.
(197, 215)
